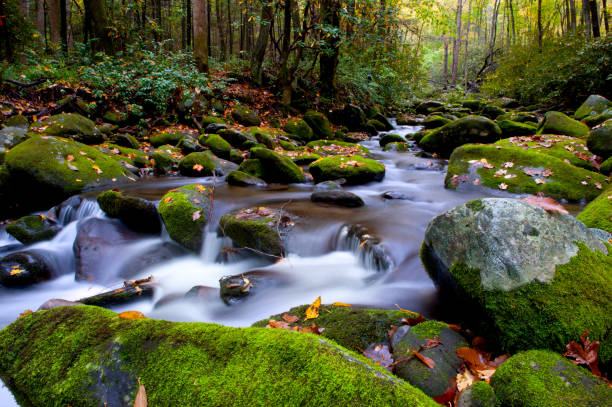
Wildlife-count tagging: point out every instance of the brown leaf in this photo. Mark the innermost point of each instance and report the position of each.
(69, 157)
(72, 167)
(141, 396)
(379, 353)
(585, 354)
(432, 343)
(278, 324)
(198, 167)
(131, 315)
(290, 318)
(427, 361)
(464, 380)
(315, 329)
(546, 203)
(448, 396)
(313, 311)
(474, 359)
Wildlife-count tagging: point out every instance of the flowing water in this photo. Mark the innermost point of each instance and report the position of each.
(324, 260)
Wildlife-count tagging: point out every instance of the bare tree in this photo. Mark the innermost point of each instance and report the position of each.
(200, 34)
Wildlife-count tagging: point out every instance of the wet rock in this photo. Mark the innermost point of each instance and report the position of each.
(396, 195)
(32, 229)
(11, 136)
(72, 125)
(217, 145)
(245, 116)
(407, 121)
(24, 268)
(125, 140)
(137, 213)
(480, 394)
(492, 111)
(202, 293)
(375, 124)
(185, 213)
(433, 381)
(543, 378)
(435, 121)
(213, 128)
(519, 274)
(242, 179)
(352, 117)
(166, 159)
(594, 105)
(516, 129)
(57, 302)
(277, 168)
(237, 138)
(236, 288)
(123, 295)
(371, 251)
(189, 145)
(596, 120)
(355, 170)
(156, 254)
(299, 130)
(326, 186)
(600, 140)
(319, 124)
(396, 146)
(429, 106)
(252, 166)
(169, 138)
(390, 138)
(197, 165)
(341, 198)
(559, 123)
(379, 117)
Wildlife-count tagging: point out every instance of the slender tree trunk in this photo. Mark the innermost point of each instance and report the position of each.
(594, 18)
(96, 11)
(200, 37)
(572, 10)
(54, 21)
(63, 25)
(512, 21)
(328, 61)
(284, 76)
(259, 52)
(221, 38)
(445, 64)
(586, 18)
(467, 40)
(540, 35)
(605, 16)
(24, 7)
(230, 29)
(69, 31)
(457, 41)
(208, 28)
(40, 17)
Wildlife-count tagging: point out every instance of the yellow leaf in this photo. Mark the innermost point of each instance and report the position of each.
(97, 169)
(464, 380)
(132, 315)
(313, 311)
(16, 271)
(341, 304)
(141, 396)
(168, 200)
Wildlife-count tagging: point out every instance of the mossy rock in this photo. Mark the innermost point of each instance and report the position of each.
(32, 229)
(170, 138)
(252, 166)
(237, 139)
(559, 123)
(540, 378)
(257, 228)
(303, 157)
(120, 296)
(98, 358)
(206, 120)
(565, 181)
(420, 135)
(433, 381)
(298, 129)
(516, 129)
(519, 117)
(125, 140)
(429, 106)
(351, 327)
(319, 124)
(376, 125)
(137, 213)
(606, 167)
(242, 179)
(71, 125)
(245, 116)
(185, 213)
(25, 268)
(287, 146)
(16, 121)
(263, 136)
(396, 146)
(470, 129)
(479, 394)
(41, 174)
(474, 105)
(126, 154)
(596, 120)
(197, 165)
(379, 117)
(492, 111)
(594, 105)
(277, 168)
(600, 140)
(390, 138)
(11, 136)
(572, 150)
(166, 159)
(355, 169)
(340, 198)
(336, 147)
(115, 117)
(189, 145)
(217, 145)
(598, 214)
(435, 121)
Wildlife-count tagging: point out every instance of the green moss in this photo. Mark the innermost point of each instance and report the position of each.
(217, 145)
(299, 130)
(336, 147)
(115, 117)
(428, 329)
(435, 121)
(185, 364)
(125, 140)
(475, 205)
(606, 167)
(598, 214)
(355, 169)
(565, 181)
(470, 129)
(245, 116)
(285, 145)
(319, 124)
(172, 139)
(546, 316)
(16, 121)
(544, 379)
(31, 229)
(277, 168)
(390, 138)
(376, 124)
(483, 395)
(242, 179)
(69, 125)
(137, 213)
(262, 233)
(600, 140)
(516, 129)
(197, 165)
(252, 166)
(206, 120)
(129, 155)
(351, 327)
(395, 146)
(559, 123)
(178, 210)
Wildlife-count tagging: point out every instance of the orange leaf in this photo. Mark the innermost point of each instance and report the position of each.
(546, 203)
(168, 200)
(341, 304)
(131, 315)
(313, 311)
(290, 318)
(141, 396)
(427, 361)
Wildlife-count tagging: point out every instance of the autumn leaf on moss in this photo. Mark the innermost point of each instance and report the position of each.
(585, 354)
(341, 304)
(313, 311)
(196, 215)
(141, 396)
(426, 361)
(290, 318)
(379, 353)
(131, 315)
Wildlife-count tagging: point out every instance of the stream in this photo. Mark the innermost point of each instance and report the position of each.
(323, 260)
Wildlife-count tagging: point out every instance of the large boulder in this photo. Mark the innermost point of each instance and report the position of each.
(138, 214)
(525, 278)
(518, 170)
(355, 169)
(540, 378)
(185, 212)
(200, 164)
(510, 128)
(33, 228)
(44, 171)
(277, 168)
(350, 116)
(298, 129)
(220, 147)
(598, 213)
(167, 137)
(99, 358)
(262, 229)
(470, 129)
(600, 140)
(434, 121)
(319, 124)
(245, 116)
(71, 125)
(559, 123)
(594, 105)
(238, 139)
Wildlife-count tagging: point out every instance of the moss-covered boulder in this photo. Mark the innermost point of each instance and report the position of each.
(252, 166)
(125, 140)
(378, 126)
(559, 123)
(593, 121)
(540, 378)
(436, 380)
(170, 137)
(355, 169)
(516, 129)
(206, 120)
(242, 179)
(189, 145)
(115, 117)
(277, 168)
(390, 138)
(351, 116)
(519, 170)
(44, 171)
(33, 228)
(395, 146)
(472, 104)
(600, 140)
(434, 121)
(319, 124)
(132, 156)
(470, 129)
(245, 116)
(238, 139)
(379, 117)
(299, 130)
(594, 105)
(479, 394)
(217, 145)
(99, 357)
(336, 147)
(166, 159)
(492, 111)
(197, 165)
(519, 117)
(261, 229)
(137, 213)
(185, 213)
(532, 280)
(606, 167)
(351, 327)
(16, 121)
(429, 106)
(598, 214)
(71, 125)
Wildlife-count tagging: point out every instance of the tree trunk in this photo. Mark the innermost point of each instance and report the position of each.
(220, 30)
(512, 21)
(262, 42)
(467, 40)
(540, 34)
(328, 61)
(55, 21)
(457, 41)
(63, 25)
(208, 29)
(230, 29)
(200, 37)
(40, 17)
(605, 16)
(96, 11)
(586, 18)
(24, 7)
(445, 64)
(594, 18)
(283, 76)
(572, 9)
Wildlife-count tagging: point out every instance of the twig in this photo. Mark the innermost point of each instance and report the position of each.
(25, 84)
(195, 121)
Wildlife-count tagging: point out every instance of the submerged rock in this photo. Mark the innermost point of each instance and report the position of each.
(99, 357)
(137, 213)
(32, 229)
(236, 288)
(341, 198)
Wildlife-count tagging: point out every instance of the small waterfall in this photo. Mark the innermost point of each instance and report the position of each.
(75, 208)
(211, 246)
(371, 253)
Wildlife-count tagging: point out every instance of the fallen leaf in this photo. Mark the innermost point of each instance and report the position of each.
(97, 169)
(503, 186)
(585, 353)
(598, 185)
(277, 324)
(131, 315)
(341, 304)
(508, 164)
(474, 359)
(464, 380)
(447, 397)
(168, 200)
(315, 329)
(72, 167)
(547, 172)
(432, 343)
(196, 215)
(546, 203)
(380, 354)
(141, 396)
(540, 181)
(198, 167)
(16, 271)
(69, 157)
(584, 182)
(427, 361)
(313, 311)
(290, 318)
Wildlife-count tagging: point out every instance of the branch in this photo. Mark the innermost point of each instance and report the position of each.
(25, 84)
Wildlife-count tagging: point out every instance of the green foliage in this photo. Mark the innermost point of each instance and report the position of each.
(567, 71)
